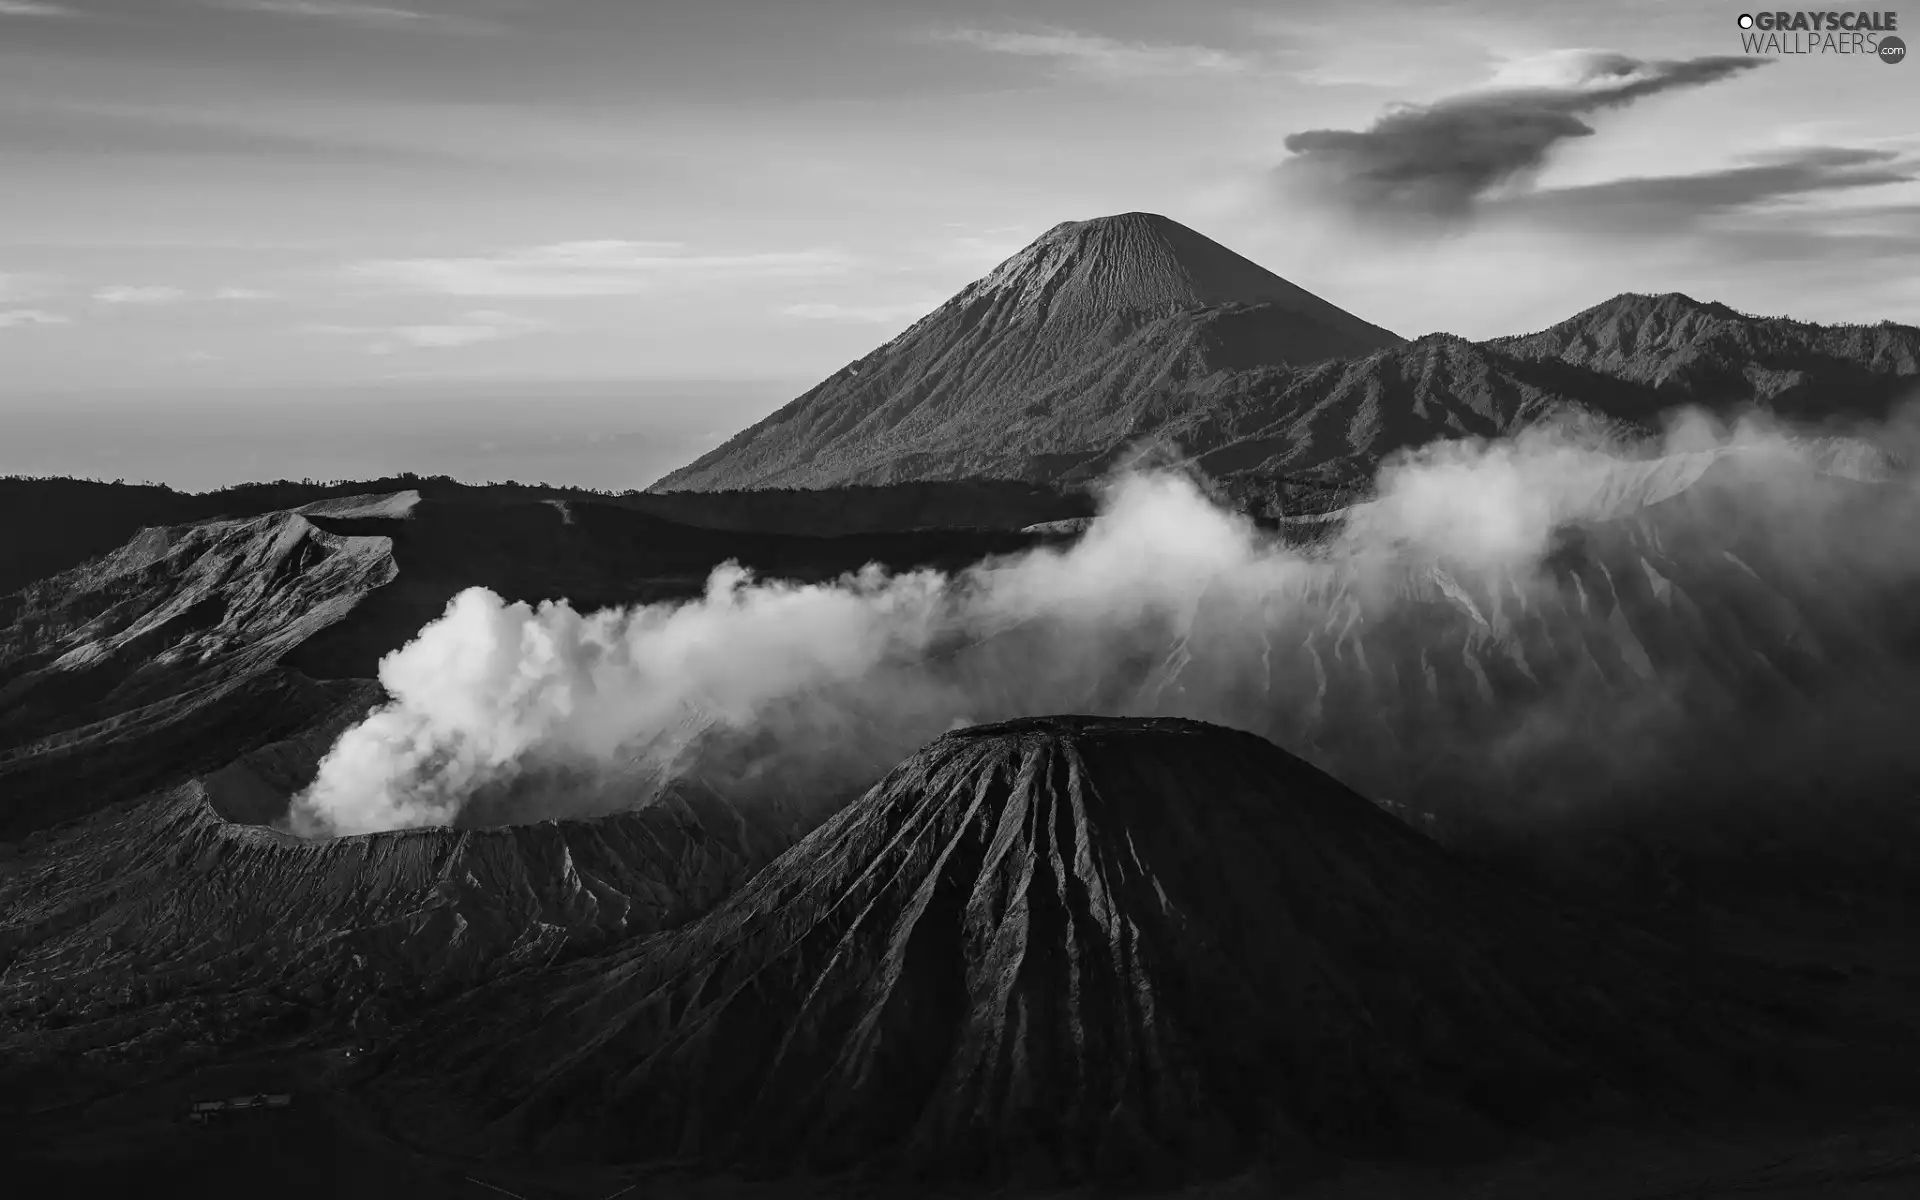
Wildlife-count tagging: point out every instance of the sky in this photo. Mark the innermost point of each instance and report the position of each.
(226, 213)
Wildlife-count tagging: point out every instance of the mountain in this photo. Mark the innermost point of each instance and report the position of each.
(1091, 335)
(1724, 651)
(167, 656)
(175, 928)
(1126, 335)
(1311, 438)
(1340, 418)
(1222, 955)
(1070, 948)
(48, 525)
(1707, 353)
(193, 644)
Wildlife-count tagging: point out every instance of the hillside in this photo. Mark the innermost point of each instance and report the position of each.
(1072, 948)
(162, 931)
(1723, 656)
(165, 657)
(1095, 333)
(1619, 365)
(1707, 353)
(1025, 954)
(1126, 335)
(1341, 418)
(192, 644)
(50, 525)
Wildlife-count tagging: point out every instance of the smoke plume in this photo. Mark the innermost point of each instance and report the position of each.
(1511, 627)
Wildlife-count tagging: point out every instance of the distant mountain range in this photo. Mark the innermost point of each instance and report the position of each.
(1107, 337)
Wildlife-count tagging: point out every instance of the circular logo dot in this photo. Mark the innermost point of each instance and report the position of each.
(1892, 49)
(1746, 20)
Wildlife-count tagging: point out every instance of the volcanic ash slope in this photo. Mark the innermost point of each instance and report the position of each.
(1072, 947)
(1094, 334)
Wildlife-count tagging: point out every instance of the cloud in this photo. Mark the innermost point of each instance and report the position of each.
(1672, 203)
(370, 16)
(155, 130)
(139, 294)
(33, 8)
(879, 314)
(589, 268)
(1437, 162)
(468, 329)
(1459, 585)
(243, 293)
(1091, 54)
(19, 287)
(20, 318)
(1792, 205)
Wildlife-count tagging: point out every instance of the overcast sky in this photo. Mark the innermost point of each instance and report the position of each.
(204, 194)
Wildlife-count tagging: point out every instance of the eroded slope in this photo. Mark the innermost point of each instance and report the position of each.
(1070, 947)
(1093, 335)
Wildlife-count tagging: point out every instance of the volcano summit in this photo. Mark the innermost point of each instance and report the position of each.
(1070, 947)
(1096, 332)
(1132, 337)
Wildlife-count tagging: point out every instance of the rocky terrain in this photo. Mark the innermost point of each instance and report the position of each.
(164, 932)
(1087, 339)
(51, 525)
(1480, 867)
(1071, 948)
(191, 645)
(1736, 672)
(1132, 335)
(1738, 633)
(166, 657)
(1708, 353)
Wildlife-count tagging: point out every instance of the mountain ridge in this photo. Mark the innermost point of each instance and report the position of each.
(1104, 340)
(1093, 326)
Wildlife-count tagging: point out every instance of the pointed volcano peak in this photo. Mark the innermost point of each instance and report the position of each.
(1091, 334)
(1064, 948)
(1142, 262)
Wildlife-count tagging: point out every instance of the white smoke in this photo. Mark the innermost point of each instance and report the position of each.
(1167, 604)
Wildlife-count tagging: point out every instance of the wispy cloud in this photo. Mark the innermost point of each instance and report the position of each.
(244, 293)
(139, 294)
(33, 8)
(1389, 46)
(1437, 162)
(372, 16)
(1679, 203)
(876, 314)
(1782, 206)
(19, 287)
(588, 268)
(21, 318)
(467, 329)
(1093, 54)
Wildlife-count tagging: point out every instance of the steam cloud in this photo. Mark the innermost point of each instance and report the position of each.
(1552, 617)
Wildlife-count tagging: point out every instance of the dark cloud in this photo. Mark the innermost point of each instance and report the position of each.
(1678, 202)
(1435, 162)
